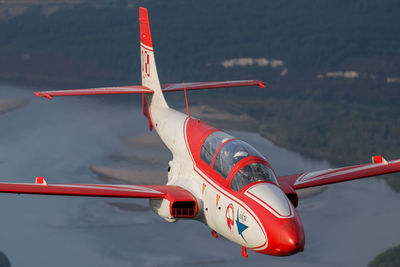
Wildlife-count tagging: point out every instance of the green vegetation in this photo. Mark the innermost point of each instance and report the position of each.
(389, 258)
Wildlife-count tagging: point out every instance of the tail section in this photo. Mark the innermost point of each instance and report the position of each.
(151, 90)
(149, 70)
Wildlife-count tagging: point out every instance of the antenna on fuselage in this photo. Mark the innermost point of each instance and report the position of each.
(187, 105)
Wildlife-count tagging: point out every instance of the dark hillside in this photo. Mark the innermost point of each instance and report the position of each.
(101, 43)
(389, 258)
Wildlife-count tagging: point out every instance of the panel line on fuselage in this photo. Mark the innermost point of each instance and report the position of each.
(268, 207)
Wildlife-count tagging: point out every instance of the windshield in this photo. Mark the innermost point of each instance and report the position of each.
(230, 154)
(211, 144)
(252, 173)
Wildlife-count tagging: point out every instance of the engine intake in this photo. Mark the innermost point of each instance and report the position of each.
(184, 209)
(176, 204)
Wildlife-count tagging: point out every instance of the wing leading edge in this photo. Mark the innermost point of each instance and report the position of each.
(379, 166)
(136, 89)
(94, 190)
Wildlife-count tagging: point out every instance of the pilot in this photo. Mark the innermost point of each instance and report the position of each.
(230, 155)
(247, 175)
(239, 156)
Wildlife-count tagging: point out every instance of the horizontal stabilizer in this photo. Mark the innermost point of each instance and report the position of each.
(136, 89)
(173, 87)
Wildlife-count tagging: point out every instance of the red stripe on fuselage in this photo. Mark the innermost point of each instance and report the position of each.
(265, 203)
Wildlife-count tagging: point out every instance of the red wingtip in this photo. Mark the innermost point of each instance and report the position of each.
(145, 34)
(262, 85)
(39, 94)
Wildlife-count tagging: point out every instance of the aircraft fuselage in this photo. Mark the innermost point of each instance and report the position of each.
(259, 216)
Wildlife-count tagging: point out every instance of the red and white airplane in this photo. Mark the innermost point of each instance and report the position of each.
(213, 177)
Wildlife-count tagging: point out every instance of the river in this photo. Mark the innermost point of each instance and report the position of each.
(348, 224)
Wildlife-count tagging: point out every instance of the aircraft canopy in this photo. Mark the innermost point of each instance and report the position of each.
(253, 172)
(222, 152)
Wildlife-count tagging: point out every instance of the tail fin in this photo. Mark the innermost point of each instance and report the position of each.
(149, 70)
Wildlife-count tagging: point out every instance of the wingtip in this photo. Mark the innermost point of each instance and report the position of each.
(261, 84)
(40, 94)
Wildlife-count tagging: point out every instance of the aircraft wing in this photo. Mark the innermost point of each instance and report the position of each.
(378, 166)
(95, 190)
(173, 87)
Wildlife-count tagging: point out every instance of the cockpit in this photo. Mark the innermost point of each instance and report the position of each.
(235, 160)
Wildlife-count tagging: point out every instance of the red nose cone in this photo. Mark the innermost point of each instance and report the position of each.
(290, 239)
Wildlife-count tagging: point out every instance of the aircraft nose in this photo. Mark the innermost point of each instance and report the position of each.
(290, 239)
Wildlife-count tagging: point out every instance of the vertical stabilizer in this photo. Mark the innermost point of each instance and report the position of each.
(149, 70)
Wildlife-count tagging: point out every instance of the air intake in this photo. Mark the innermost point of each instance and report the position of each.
(184, 209)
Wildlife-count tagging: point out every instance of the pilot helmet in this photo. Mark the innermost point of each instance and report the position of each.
(239, 156)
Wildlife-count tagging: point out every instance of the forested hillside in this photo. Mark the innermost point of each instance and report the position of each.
(192, 38)
(389, 258)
